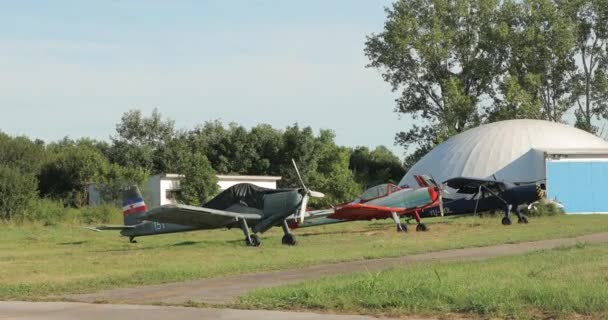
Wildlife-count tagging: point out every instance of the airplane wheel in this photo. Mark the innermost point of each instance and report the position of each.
(402, 227)
(132, 240)
(422, 227)
(506, 221)
(523, 219)
(289, 240)
(255, 241)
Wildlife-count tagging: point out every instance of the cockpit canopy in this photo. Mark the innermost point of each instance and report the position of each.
(379, 191)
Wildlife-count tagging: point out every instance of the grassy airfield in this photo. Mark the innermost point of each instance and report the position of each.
(37, 261)
(562, 283)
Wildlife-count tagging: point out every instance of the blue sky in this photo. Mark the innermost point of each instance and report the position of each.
(72, 68)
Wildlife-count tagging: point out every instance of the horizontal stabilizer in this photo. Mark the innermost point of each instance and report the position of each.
(110, 227)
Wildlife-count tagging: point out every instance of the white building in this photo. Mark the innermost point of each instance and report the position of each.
(227, 181)
(573, 162)
(162, 189)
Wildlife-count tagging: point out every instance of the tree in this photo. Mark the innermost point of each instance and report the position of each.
(21, 153)
(334, 178)
(300, 145)
(236, 150)
(17, 192)
(591, 86)
(539, 82)
(69, 172)
(114, 178)
(138, 138)
(228, 149)
(200, 181)
(266, 142)
(183, 156)
(375, 167)
(411, 159)
(443, 55)
(322, 164)
(136, 129)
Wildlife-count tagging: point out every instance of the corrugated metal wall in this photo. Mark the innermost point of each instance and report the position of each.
(580, 185)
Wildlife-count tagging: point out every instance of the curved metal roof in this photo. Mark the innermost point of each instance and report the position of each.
(510, 150)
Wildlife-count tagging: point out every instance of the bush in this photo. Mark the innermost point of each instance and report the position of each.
(52, 212)
(47, 211)
(99, 214)
(66, 176)
(17, 192)
(544, 208)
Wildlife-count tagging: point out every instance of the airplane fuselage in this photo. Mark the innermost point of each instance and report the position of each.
(399, 201)
(277, 206)
(515, 196)
(148, 228)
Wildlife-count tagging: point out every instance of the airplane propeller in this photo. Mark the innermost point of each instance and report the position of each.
(441, 189)
(307, 193)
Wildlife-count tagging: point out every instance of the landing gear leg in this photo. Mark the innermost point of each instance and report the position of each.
(250, 239)
(506, 221)
(288, 239)
(132, 240)
(401, 227)
(421, 226)
(520, 217)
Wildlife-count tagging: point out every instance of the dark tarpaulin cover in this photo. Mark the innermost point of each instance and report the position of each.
(244, 193)
(471, 185)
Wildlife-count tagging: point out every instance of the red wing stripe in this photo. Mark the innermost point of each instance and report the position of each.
(367, 206)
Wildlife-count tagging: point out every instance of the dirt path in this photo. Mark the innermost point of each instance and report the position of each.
(77, 311)
(226, 289)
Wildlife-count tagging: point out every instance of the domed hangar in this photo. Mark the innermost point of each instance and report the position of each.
(572, 161)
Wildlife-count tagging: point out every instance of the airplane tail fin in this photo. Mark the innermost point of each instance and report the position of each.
(420, 181)
(425, 181)
(133, 205)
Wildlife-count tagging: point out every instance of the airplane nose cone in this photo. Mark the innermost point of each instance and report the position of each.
(434, 193)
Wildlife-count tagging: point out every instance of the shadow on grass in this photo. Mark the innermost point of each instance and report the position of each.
(129, 249)
(185, 243)
(366, 230)
(140, 246)
(73, 243)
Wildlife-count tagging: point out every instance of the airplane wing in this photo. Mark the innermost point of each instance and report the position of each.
(201, 217)
(313, 218)
(343, 213)
(109, 227)
(319, 213)
(362, 211)
(471, 185)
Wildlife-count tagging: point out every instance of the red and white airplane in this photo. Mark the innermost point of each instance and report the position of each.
(379, 202)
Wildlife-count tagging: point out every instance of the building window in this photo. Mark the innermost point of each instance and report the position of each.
(172, 194)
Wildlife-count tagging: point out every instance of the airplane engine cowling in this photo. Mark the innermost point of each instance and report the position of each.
(277, 207)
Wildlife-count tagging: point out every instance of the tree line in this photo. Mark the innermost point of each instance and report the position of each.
(144, 145)
(460, 63)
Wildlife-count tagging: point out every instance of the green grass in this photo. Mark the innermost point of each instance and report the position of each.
(37, 261)
(562, 283)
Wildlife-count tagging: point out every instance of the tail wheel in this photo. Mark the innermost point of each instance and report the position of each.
(289, 240)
